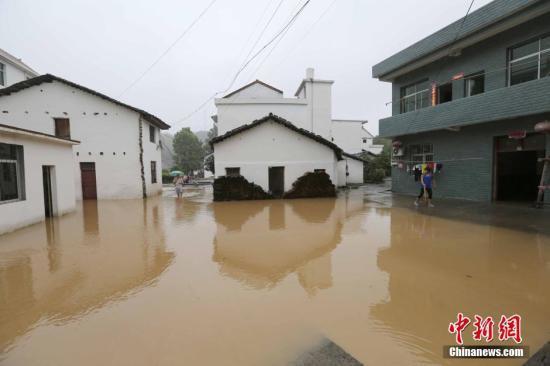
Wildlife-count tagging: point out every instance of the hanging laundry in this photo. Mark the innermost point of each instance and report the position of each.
(417, 173)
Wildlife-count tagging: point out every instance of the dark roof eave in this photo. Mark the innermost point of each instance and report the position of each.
(49, 78)
(283, 122)
(32, 132)
(479, 20)
(252, 83)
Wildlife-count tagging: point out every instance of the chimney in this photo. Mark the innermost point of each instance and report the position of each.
(310, 73)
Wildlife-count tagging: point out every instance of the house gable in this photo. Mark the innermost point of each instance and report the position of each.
(254, 90)
(284, 123)
(48, 78)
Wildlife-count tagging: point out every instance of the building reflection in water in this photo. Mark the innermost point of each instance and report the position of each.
(438, 268)
(260, 243)
(49, 272)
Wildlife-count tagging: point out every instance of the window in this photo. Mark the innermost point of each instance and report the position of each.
(2, 74)
(530, 61)
(232, 172)
(153, 172)
(62, 128)
(415, 96)
(152, 133)
(474, 84)
(12, 180)
(445, 93)
(364, 140)
(422, 153)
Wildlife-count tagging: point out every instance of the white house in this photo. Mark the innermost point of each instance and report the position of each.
(310, 109)
(353, 138)
(272, 140)
(273, 153)
(13, 70)
(120, 152)
(36, 176)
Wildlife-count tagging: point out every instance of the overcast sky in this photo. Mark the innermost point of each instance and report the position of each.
(106, 44)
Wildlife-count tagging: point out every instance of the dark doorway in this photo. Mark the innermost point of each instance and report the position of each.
(518, 175)
(89, 188)
(47, 185)
(277, 180)
(445, 93)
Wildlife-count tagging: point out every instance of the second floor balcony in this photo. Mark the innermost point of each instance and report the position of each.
(529, 98)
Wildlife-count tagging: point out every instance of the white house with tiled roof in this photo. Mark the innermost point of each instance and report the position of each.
(119, 155)
(13, 70)
(310, 108)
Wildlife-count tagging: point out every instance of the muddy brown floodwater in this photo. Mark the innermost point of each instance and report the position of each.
(167, 282)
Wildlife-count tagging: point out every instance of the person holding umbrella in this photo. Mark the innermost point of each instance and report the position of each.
(178, 182)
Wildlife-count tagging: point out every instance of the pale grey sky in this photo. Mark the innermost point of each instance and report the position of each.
(106, 44)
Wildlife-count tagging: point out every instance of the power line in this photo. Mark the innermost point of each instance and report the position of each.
(450, 48)
(281, 31)
(264, 29)
(168, 49)
(289, 24)
(308, 32)
(272, 48)
(253, 29)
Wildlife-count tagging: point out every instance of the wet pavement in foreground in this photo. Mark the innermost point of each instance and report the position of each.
(191, 282)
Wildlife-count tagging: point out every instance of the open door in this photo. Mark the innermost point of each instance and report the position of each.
(89, 188)
(277, 180)
(48, 195)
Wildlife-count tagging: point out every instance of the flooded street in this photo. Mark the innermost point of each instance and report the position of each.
(166, 281)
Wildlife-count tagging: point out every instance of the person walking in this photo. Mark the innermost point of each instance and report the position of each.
(427, 180)
(178, 182)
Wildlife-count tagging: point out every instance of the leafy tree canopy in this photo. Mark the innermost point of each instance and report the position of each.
(188, 150)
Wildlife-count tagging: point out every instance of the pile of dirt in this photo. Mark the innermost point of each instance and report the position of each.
(312, 185)
(237, 189)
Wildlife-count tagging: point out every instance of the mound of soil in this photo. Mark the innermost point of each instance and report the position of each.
(237, 189)
(312, 185)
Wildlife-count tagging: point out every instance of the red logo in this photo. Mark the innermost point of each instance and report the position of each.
(508, 328)
(459, 326)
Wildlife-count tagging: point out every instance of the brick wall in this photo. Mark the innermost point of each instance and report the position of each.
(467, 157)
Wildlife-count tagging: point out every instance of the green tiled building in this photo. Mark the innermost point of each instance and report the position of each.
(461, 95)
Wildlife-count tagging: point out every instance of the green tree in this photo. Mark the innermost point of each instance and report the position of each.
(188, 150)
(379, 166)
(213, 132)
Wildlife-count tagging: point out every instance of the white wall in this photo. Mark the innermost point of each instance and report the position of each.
(256, 90)
(151, 152)
(101, 126)
(318, 94)
(12, 74)
(37, 153)
(271, 144)
(355, 170)
(235, 113)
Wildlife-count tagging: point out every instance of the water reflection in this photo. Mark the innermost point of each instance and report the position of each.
(260, 243)
(50, 273)
(439, 267)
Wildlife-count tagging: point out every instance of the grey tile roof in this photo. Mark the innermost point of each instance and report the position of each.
(49, 78)
(283, 122)
(477, 20)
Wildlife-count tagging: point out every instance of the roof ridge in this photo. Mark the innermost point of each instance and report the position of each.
(282, 121)
(48, 78)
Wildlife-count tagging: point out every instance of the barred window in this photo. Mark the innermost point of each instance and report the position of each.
(421, 153)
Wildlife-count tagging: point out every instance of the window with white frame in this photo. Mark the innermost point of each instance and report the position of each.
(12, 180)
(529, 61)
(415, 96)
(421, 153)
(2, 74)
